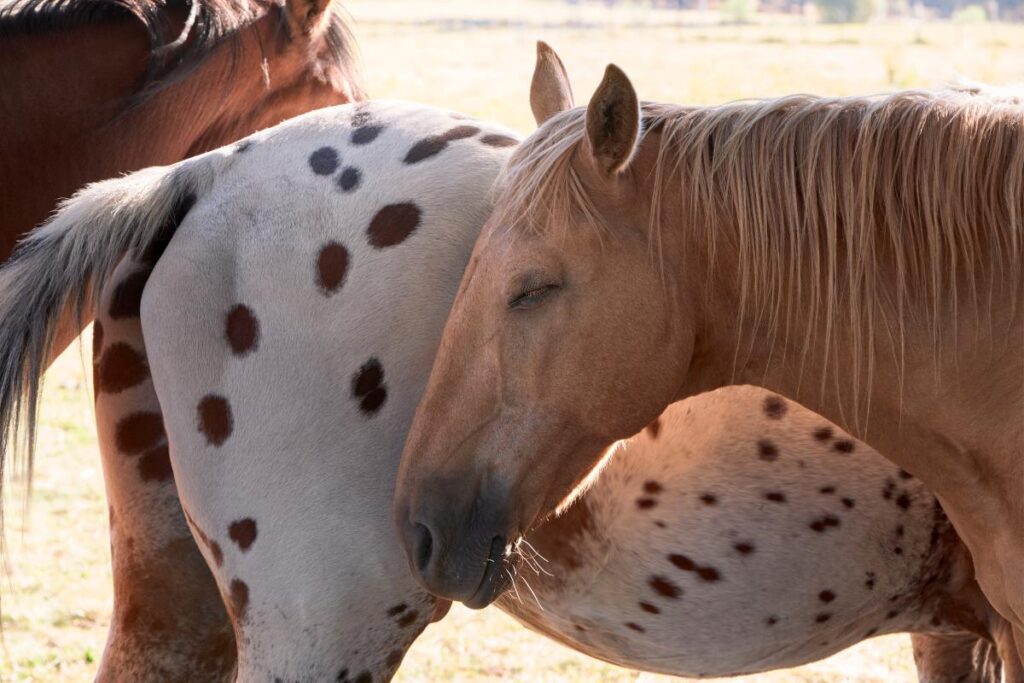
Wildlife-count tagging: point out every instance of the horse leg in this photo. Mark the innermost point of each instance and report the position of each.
(169, 623)
(950, 658)
(984, 650)
(1010, 642)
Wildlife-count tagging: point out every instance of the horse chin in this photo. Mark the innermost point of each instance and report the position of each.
(499, 576)
(441, 607)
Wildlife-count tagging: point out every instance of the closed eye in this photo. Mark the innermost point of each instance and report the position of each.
(531, 296)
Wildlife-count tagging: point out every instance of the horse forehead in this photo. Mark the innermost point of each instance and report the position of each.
(507, 248)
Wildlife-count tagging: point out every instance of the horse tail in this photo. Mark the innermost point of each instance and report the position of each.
(59, 269)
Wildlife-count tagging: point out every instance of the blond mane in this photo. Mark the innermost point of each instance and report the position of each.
(855, 215)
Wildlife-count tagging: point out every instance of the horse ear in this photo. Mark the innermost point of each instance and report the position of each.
(306, 15)
(613, 122)
(550, 91)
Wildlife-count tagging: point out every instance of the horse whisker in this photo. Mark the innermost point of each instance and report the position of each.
(514, 587)
(528, 587)
(533, 550)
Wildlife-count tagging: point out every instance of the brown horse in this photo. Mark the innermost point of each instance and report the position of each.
(95, 89)
(91, 89)
(861, 256)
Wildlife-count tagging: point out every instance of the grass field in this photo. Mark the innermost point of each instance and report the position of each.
(477, 57)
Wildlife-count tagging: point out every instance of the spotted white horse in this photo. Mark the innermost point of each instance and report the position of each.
(269, 315)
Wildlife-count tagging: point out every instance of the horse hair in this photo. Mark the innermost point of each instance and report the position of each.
(63, 263)
(208, 24)
(850, 217)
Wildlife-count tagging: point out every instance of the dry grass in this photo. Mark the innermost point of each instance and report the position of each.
(485, 70)
(56, 596)
(57, 592)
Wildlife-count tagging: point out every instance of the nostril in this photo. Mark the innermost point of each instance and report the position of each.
(424, 547)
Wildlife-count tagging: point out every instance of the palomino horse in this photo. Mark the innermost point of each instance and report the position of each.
(334, 294)
(861, 256)
(93, 89)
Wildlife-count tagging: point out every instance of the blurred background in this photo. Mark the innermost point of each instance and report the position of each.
(477, 57)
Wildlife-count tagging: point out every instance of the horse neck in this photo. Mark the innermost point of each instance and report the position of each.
(779, 347)
(898, 386)
(75, 126)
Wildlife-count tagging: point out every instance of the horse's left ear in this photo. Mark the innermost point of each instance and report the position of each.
(306, 15)
(550, 91)
(613, 122)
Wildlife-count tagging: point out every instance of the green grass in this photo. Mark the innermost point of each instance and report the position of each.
(56, 594)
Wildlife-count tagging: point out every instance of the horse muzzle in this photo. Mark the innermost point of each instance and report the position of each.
(458, 552)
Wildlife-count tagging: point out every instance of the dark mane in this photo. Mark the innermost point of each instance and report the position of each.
(173, 56)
